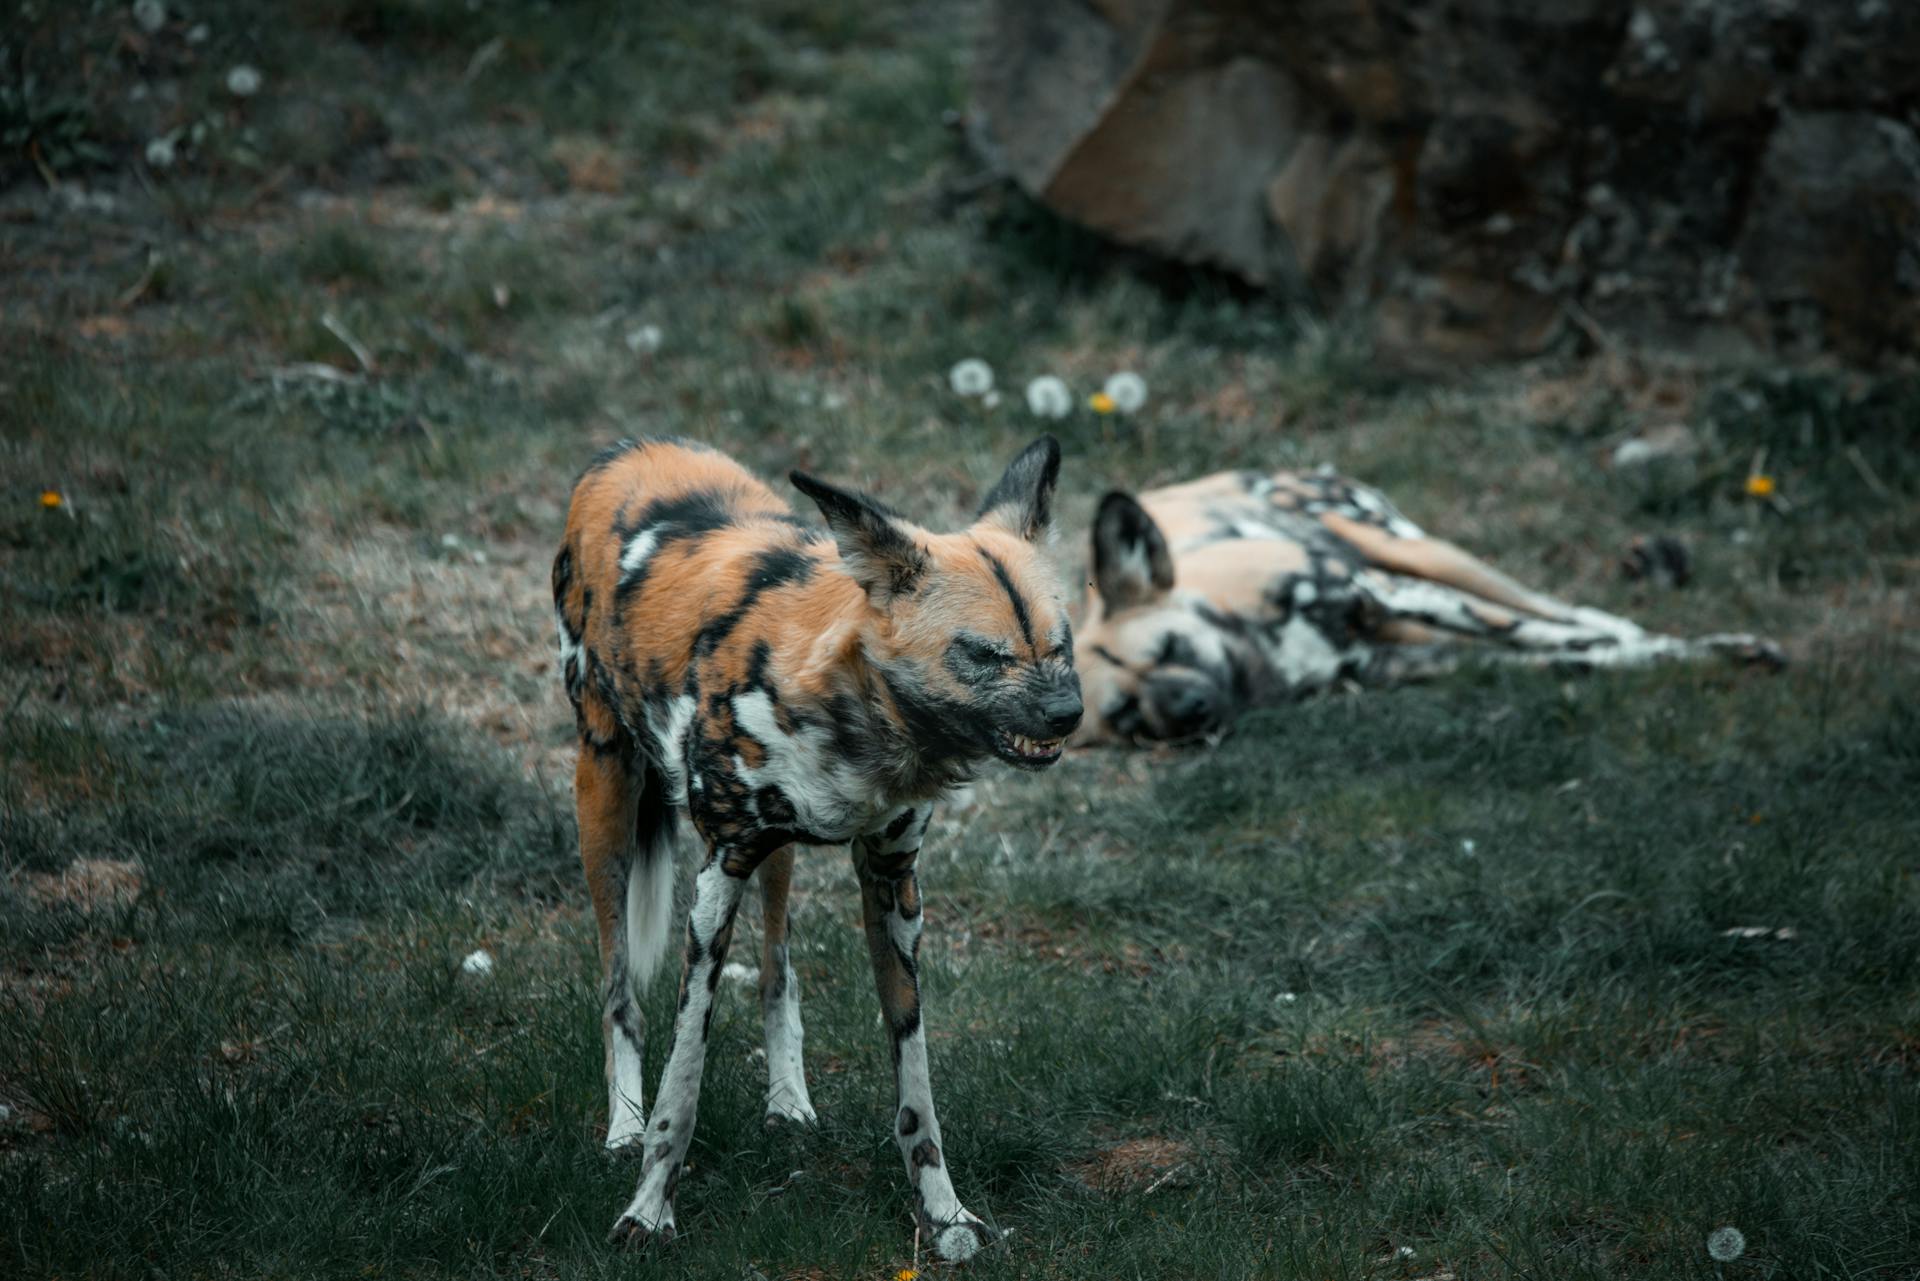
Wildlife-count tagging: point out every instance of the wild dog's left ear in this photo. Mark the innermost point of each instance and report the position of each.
(1022, 502)
(876, 546)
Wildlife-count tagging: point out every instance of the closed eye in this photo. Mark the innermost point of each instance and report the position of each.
(1175, 650)
(985, 651)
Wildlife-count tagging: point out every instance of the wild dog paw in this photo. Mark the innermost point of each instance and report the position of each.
(960, 1238)
(1752, 651)
(626, 1139)
(628, 1233)
(786, 1113)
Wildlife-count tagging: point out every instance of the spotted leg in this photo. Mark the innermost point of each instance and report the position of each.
(1587, 638)
(890, 904)
(716, 897)
(780, 997)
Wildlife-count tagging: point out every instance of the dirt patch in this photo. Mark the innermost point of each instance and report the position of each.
(1136, 1165)
(90, 884)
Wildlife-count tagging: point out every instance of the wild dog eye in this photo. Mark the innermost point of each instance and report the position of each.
(1177, 651)
(985, 652)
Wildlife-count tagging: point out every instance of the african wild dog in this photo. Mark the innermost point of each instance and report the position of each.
(1245, 587)
(786, 687)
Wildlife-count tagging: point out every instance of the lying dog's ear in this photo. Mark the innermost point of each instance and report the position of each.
(1131, 563)
(1022, 501)
(876, 545)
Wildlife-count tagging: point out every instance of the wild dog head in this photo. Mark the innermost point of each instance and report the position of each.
(968, 631)
(1156, 665)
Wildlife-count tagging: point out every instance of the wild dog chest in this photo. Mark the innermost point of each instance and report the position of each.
(753, 769)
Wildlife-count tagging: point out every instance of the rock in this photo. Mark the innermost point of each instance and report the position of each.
(1739, 175)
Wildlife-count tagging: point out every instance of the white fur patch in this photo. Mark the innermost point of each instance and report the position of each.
(638, 549)
(672, 738)
(829, 799)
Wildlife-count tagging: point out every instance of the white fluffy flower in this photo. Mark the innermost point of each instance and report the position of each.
(150, 14)
(645, 340)
(971, 377)
(160, 153)
(1049, 397)
(1127, 390)
(479, 964)
(1724, 1245)
(243, 81)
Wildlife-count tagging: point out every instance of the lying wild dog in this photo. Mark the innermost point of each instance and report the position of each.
(785, 687)
(1245, 587)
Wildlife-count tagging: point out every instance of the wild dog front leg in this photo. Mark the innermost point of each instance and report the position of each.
(787, 1098)
(890, 904)
(716, 897)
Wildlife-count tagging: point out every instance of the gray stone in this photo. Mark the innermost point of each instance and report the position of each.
(1485, 172)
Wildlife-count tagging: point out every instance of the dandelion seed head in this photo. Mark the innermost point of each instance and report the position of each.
(1127, 390)
(971, 377)
(150, 14)
(160, 154)
(1049, 397)
(1725, 1244)
(645, 340)
(477, 963)
(243, 81)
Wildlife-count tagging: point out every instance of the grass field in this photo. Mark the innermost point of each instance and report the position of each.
(1456, 981)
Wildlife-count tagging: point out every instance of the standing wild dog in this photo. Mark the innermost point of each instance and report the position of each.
(1243, 587)
(786, 687)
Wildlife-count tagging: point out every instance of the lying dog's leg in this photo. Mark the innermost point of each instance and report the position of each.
(780, 997)
(1590, 639)
(716, 897)
(890, 904)
(606, 796)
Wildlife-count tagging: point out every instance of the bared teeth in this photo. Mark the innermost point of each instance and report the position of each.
(1033, 747)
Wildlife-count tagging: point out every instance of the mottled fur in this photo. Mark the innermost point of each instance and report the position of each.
(780, 685)
(1247, 587)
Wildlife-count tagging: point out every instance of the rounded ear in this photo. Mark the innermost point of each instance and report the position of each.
(1131, 563)
(1022, 501)
(876, 546)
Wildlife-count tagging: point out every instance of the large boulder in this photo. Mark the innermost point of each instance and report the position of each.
(1711, 174)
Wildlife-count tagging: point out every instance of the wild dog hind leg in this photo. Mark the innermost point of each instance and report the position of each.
(890, 905)
(606, 796)
(716, 898)
(1582, 642)
(780, 997)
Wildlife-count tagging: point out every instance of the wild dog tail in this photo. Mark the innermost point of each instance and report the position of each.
(650, 882)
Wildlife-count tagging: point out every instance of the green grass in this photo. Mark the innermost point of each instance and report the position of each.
(1447, 968)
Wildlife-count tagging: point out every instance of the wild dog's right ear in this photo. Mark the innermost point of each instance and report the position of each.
(1131, 564)
(876, 545)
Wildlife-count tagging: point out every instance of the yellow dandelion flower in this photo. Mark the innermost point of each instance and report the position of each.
(906, 1274)
(1760, 485)
(51, 498)
(1102, 403)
